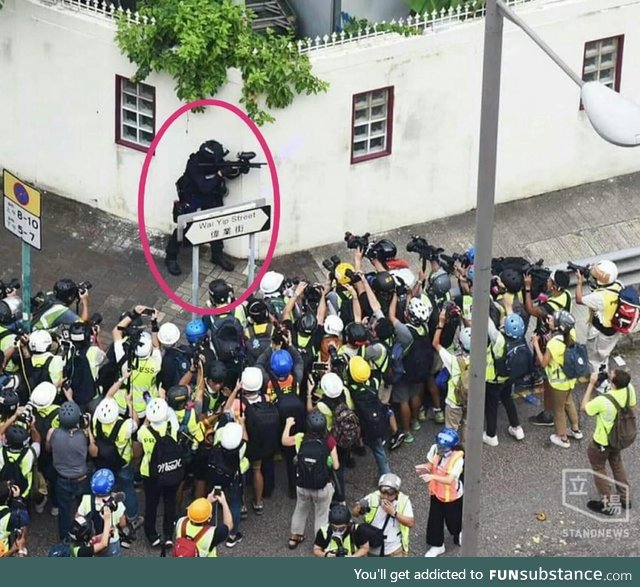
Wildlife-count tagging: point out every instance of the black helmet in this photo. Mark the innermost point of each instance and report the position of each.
(312, 297)
(65, 290)
(307, 323)
(356, 333)
(81, 530)
(6, 315)
(258, 311)
(384, 282)
(220, 292)
(512, 279)
(386, 249)
(17, 437)
(212, 152)
(80, 332)
(339, 514)
(9, 398)
(316, 423)
(177, 397)
(217, 371)
(69, 415)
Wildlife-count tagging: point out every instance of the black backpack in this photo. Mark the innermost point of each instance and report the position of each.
(257, 343)
(418, 359)
(263, 428)
(43, 425)
(175, 364)
(226, 337)
(289, 405)
(517, 360)
(311, 468)
(11, 470)
(166, 465)
(109, 456)
(37, 375)
(223, 466)
(371, 413)
(82, 381)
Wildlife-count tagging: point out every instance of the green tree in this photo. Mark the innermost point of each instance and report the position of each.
(198, 41)
(429, 6)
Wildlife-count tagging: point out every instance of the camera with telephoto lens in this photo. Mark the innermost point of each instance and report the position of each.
(363, 503)
(84, 287)
(584, 270)
(113, 500)
(7, 288)
(27, 416)
(352, 276)
(420, 245)
(357, 242)
(331, 263)
(338, 362)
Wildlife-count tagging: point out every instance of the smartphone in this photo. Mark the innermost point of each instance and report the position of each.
(217, 490)
(320, 366)
(148, 312)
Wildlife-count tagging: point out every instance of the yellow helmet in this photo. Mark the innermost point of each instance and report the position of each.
(359, 369)
(200, 510)
(3, 548)
(341, 273)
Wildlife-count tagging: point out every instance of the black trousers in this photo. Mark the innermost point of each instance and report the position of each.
(441, 513)
(496, 393)
(152, 494)
(173, 246)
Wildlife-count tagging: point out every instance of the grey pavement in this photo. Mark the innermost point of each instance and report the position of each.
(521, 479)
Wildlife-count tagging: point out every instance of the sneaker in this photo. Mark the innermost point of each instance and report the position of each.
(408, 438)
(168, 544)
(233, 540)
(517, 432)
(422, 415)
(55, 512)
(457, 540)
(136, 522)
(258, 509)
(125, 543)
(544, 418)
(596, 505)
(489, 441)
(397, 439)
(438, 416)
(40, 506)
(555, 439)
(577, 434)
(435, 551)
(154, 540)
(244, 513)
(415, 425)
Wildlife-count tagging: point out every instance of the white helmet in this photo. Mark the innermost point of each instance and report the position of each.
(331, 385)
(389, 480)
(465, 338)
(107, 411)
(157, 411)
(610, 269)
(333, 325)
(143, 350)
(40, 341)
(405, 274)
(168, 334)
(252, 379)
(271, 282)
(231, 436)
(418, 310)
(43, 394)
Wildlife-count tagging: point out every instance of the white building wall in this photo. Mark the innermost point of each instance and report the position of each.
(58, 101)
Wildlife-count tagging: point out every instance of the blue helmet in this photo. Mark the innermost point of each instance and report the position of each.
(471, 272)
(195, 331)
(102, 482)
(514, 326)
(281, 363)
(471, 255)
(447, 438)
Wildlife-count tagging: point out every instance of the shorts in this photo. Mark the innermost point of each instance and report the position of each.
(403, 391)
(384, 393)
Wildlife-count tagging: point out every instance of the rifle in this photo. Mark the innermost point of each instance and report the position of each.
(232, 169)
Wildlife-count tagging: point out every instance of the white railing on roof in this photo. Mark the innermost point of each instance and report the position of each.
(99, 8)
(425, 23)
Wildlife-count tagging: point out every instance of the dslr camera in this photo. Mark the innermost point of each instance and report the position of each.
(584, 270)
(364, 505)
(452, 310)
(357, 242)
(27, 416)
(420, 245)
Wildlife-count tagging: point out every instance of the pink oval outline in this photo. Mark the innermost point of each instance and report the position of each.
(275, 217)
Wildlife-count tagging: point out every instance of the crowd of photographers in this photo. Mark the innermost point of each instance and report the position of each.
(310, 374)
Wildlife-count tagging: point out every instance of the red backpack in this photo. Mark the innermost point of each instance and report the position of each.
(185, 546)
(627, 313)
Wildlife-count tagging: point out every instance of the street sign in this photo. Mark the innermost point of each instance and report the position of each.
(214, 226)
(22, 210)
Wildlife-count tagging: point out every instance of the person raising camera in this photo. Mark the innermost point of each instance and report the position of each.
(340, 537)
(65, 293)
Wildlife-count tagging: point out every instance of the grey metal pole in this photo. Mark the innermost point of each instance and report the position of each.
(251, 267)
(195, 277)
(506, 12)
(26, 286)
(483, 243)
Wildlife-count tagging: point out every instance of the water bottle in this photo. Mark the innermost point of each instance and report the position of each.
(532, 399)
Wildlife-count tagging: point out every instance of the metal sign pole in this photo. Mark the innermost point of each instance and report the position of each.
(251, 269)
(26, 286)
(195, 277)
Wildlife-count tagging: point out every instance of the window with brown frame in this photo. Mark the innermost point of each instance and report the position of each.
(135, 114)
(603, 61)
(372, 124)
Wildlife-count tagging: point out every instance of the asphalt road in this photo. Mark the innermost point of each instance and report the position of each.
(521, 480)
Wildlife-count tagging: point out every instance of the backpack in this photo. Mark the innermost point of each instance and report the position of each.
(109, 456)
(263, 428)
(627, 312)
(186, 546)
(418, 358)
(257, 343)
(395, 364)
(311, 468)
(166, 464)
(624, 429)
(461, 390)
(60, 550)
(11, 470)
(82, 381)
(346, 426)
(289, 405)
(276, 306)
(226, 337)
(43, 424)
(576, 361)
(223, 466)
(517, 360)
(371, 413)
(177, 361)
(37, 375)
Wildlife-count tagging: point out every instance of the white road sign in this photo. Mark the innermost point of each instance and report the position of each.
(22, 223)
(226, 226)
